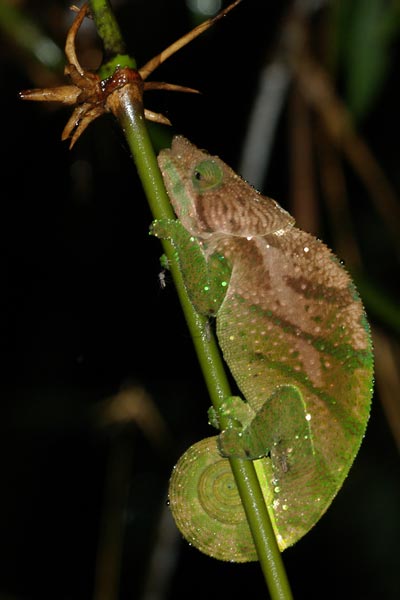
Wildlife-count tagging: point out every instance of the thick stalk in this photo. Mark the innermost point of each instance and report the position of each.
(126, 104)
(132, 121)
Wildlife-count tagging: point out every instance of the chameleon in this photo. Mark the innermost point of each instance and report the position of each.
(294, 334)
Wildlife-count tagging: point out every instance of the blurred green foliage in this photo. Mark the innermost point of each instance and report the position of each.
(362, 44)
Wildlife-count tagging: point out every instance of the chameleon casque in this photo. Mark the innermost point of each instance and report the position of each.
(294, 334)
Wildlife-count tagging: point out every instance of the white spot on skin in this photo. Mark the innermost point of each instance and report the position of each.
(306, 249)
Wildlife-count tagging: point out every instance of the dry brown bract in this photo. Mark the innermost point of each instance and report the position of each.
(90, 94)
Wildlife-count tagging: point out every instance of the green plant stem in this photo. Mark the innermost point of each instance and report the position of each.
(113, 42)
(129, 112)
(107, 27)
(210, 360)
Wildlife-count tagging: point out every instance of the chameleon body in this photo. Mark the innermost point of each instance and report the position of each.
(293, 332)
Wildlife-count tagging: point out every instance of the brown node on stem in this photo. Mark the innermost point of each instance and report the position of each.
(89, 94)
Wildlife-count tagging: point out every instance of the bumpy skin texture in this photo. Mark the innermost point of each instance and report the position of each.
(293, 332)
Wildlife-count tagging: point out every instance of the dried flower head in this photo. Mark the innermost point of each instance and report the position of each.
(90, 94)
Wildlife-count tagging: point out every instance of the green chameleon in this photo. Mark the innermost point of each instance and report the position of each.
(294, 334)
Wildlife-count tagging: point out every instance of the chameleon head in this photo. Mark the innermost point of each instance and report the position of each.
(209, 197)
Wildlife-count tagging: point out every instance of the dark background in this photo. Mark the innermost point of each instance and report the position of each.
(82, 313)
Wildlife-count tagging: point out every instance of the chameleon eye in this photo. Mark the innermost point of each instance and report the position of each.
(207, 175)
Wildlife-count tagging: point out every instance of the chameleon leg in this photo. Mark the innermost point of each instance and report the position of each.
(279, 429)
(206, 278)
(238, 413)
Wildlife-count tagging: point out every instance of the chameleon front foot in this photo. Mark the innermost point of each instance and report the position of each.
(164, 228)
